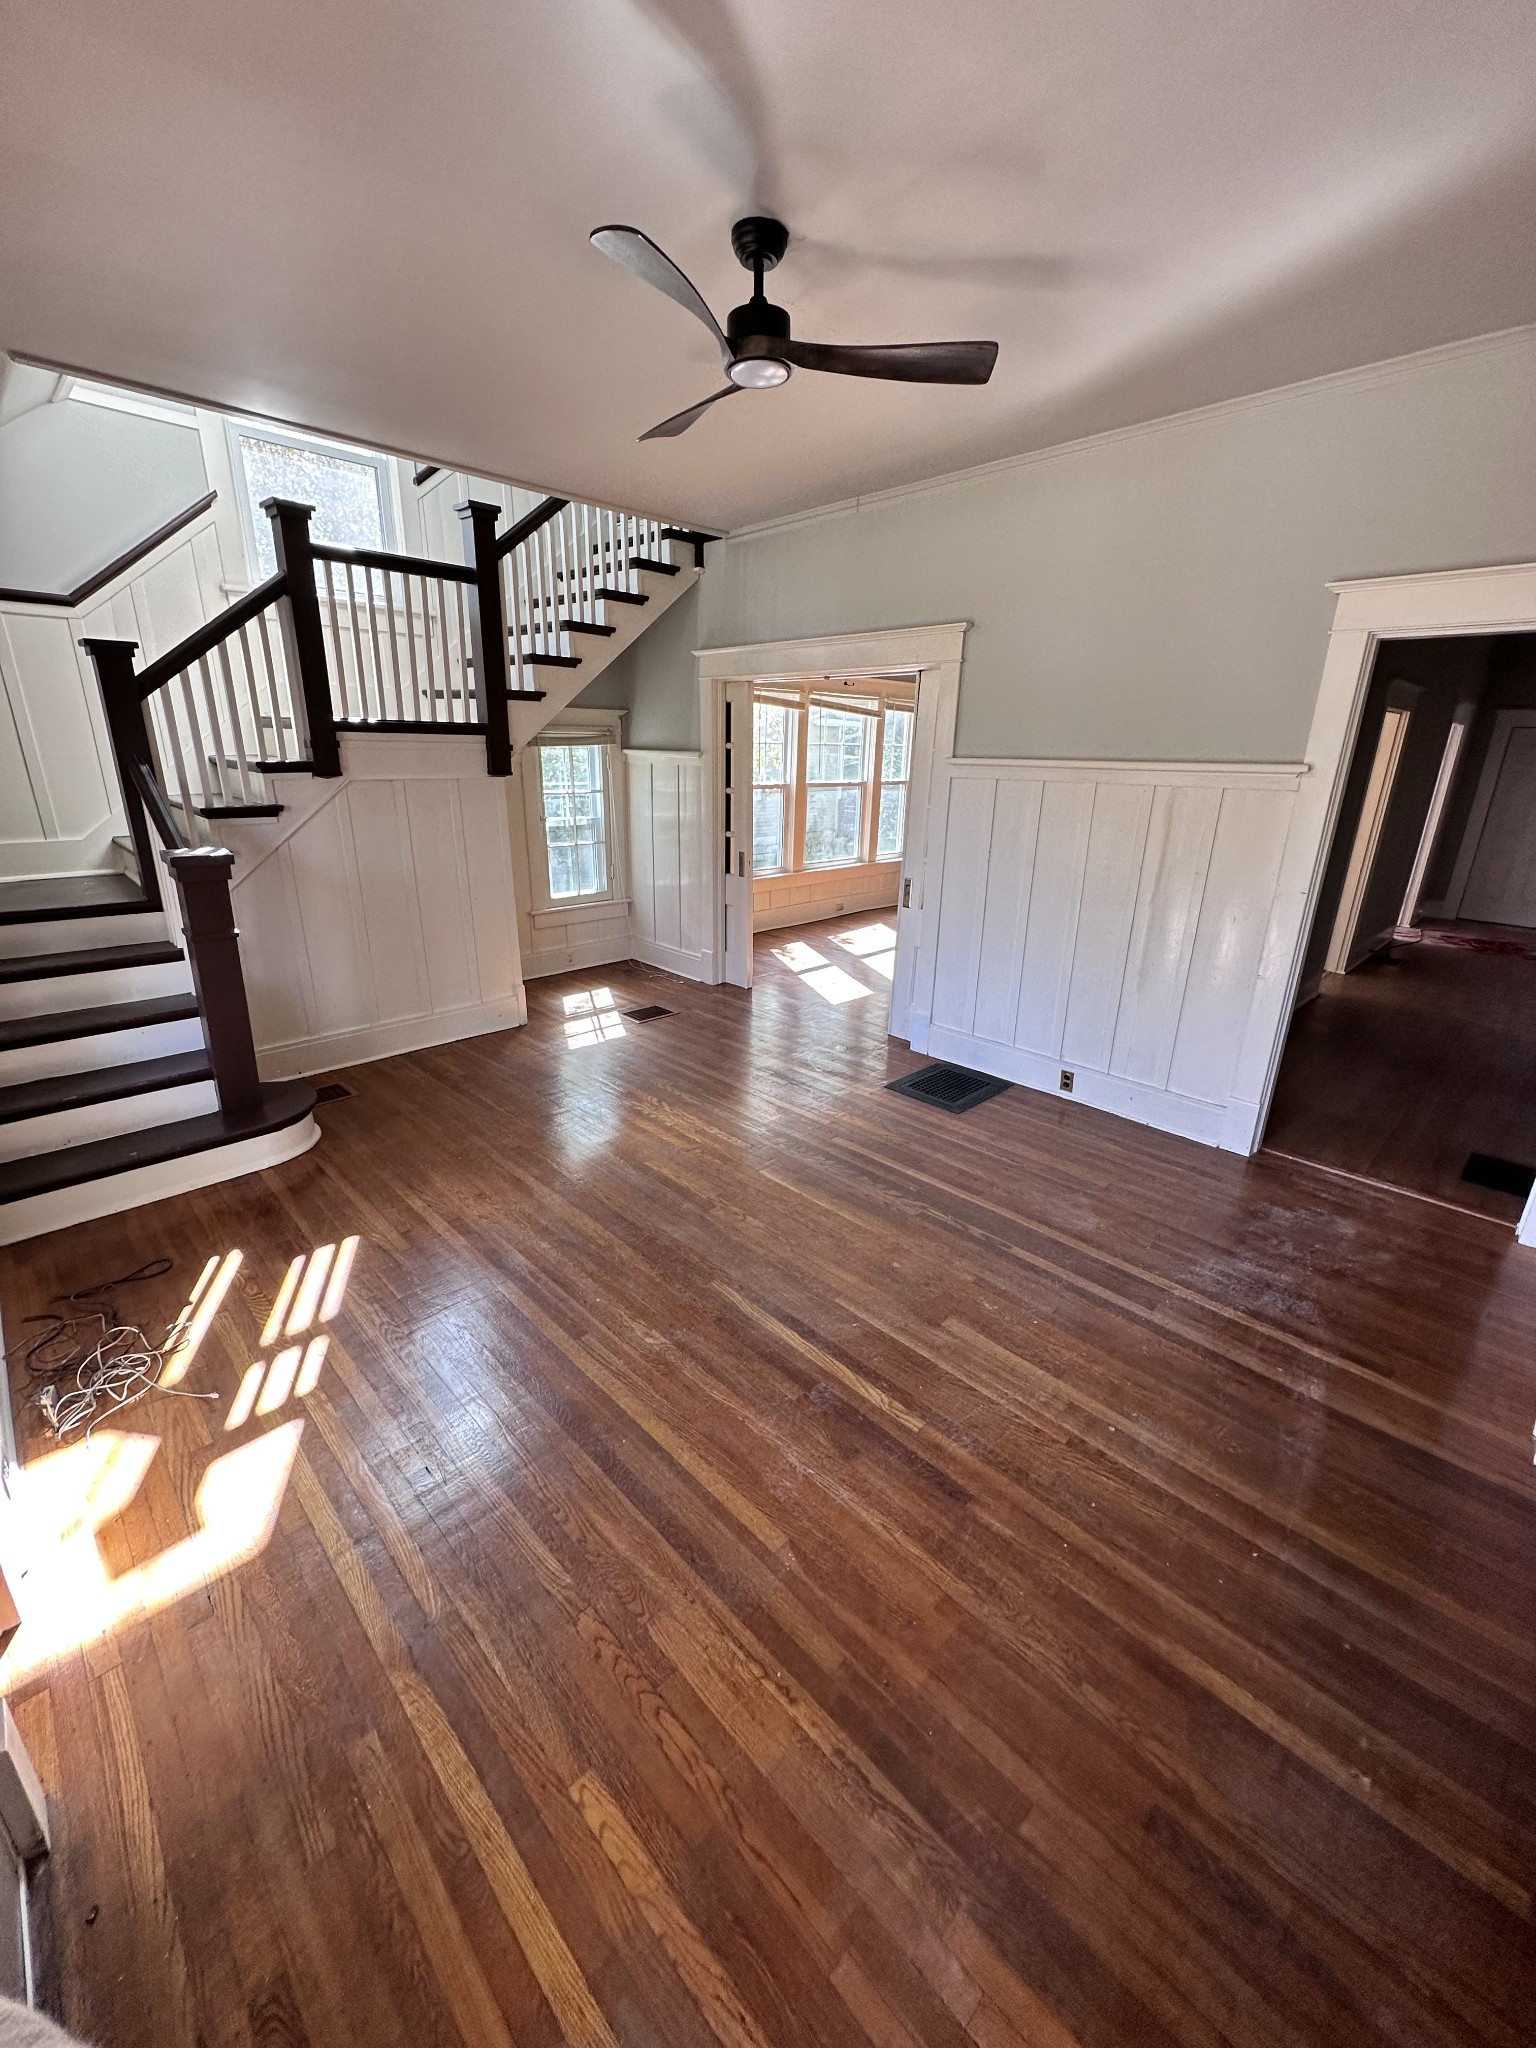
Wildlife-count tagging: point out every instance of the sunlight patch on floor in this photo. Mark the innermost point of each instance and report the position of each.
(592, 1016)
(833, 984)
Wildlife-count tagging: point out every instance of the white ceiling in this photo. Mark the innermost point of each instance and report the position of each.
(370, 217)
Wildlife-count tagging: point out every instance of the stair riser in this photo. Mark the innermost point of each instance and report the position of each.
(73, 934)
(82, 1126)
(86, 991)
(63, 1208)
(103, 1049)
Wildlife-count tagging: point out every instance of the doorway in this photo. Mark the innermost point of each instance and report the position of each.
(1413, 1042)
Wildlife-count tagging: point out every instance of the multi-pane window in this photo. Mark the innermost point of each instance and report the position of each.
(895, 772)
(829, 775)
(773, 779)
(347, 487)
(574, 797)
(837, 751)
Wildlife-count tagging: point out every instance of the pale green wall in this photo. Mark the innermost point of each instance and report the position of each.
(1153, 595)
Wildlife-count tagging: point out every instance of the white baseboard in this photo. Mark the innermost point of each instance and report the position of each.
(674, 959)
(574, 959)
(62, 1208)
(857, 903)
(295, 1057)
(1227, 1125)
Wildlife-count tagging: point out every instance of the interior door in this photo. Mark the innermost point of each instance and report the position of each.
(736, 833)
(1501, 889)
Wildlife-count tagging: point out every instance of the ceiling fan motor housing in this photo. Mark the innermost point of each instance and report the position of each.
(757, 318)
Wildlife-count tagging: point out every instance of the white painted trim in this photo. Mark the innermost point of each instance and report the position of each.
(292, 1058)
(1525, 1229)
(1054, 768)
(1500, 599)
(1505, 725)
(62, 1208)
(1434, 817)
(662, 754)
(582, 910)
(671, 959)
(932, 654)
(1342, 954)
(577, 959)
(1365, 376)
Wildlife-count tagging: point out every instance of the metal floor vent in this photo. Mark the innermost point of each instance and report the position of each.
(333, 1091)
(644, 1016)
(1504, 1176)
(956, 1089)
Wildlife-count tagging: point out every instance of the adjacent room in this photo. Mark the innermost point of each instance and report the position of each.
(1410, 1056)
(767, 948)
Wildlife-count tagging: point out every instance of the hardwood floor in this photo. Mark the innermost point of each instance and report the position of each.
(1402, 1069)
(763, 1561)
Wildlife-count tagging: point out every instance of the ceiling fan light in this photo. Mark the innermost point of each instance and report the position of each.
(758, 373)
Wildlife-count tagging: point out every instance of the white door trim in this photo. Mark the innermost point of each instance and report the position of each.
(1362, 855)
(1457, 601)
(1505, 725)
(933, 655)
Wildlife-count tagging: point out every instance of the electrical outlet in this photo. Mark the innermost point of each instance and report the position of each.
(1066, 1080)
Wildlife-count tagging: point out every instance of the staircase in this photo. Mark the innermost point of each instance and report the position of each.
(127, 1066)
(108, 1095)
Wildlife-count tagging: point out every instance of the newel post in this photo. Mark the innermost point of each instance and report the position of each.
(124, 707)
(488, 630)
(296, 560)
(212, 940)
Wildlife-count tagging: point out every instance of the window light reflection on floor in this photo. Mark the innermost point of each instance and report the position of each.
(591, 1016)
(816, 971)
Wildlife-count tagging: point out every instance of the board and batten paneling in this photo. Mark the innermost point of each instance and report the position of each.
(668, 847)
(59, 802)
(1107, 919)
(381, 919)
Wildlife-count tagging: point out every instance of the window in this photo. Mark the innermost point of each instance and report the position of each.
(773, 776)
(837, 754)
(575, 804)
(895, 772)
(830, 770)
(348, 487)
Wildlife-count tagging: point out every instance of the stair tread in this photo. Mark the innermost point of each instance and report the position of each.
(19, 1031)
(101, 1084)
(58, 896)
(89, 960)
(657, 568)
(238, 810)
(282, 1103)
(551, 660)
(587, 626)
(623, 596)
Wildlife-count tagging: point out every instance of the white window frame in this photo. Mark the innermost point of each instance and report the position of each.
(235, 427)
(799, 697)
(792, 779)
(580, 729)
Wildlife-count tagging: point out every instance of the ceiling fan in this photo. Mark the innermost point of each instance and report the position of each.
(756, 350)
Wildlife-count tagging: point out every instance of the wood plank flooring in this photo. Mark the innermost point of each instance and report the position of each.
(1402, 1069)
(759, 1561)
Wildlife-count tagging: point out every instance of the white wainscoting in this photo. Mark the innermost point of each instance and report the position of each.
(779, 900)
(1107, 918)
(669, 851)
(59, 805)
(376, 915)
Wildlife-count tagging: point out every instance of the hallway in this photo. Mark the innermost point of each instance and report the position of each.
(693, 1548)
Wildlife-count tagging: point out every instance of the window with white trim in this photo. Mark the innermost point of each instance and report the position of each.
(830, 767)
(349, 488)
(575, 826)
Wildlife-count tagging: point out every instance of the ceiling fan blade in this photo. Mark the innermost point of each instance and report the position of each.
(907, 362)
(640, 254)
(680, 422)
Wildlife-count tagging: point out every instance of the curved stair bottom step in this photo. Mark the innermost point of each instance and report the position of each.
(61, 1189)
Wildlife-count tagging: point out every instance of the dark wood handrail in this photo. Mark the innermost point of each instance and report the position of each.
(402, 565)
(158, 805)
(206, 638)
(124, 562)
(529, 523)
